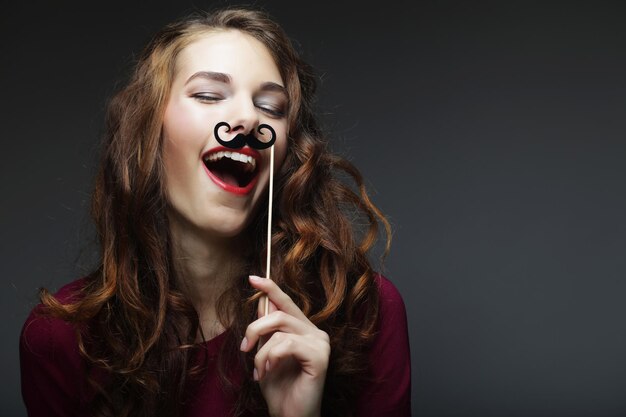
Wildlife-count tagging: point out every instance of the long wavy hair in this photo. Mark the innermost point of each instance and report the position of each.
(137, 326)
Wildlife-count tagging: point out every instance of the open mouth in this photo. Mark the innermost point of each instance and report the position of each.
(232, 170)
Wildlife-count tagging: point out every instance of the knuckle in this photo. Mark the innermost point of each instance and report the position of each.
(280, 315)
(321, 337)
(327, 351)
(325, 344)
(259, 360)
(324, 336)
(286, 346)
(250, 330)
(273, 354)
(286, 298)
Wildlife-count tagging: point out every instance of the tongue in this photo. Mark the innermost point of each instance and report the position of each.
(230, 179)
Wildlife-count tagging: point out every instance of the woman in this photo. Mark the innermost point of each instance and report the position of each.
(172, 322)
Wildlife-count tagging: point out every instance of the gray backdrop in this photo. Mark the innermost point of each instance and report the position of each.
(491, 133)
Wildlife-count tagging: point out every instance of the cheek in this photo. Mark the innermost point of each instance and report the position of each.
(174, 160)
(179, 126)
(181, 143)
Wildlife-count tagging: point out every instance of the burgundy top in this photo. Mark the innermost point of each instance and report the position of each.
(54, 380)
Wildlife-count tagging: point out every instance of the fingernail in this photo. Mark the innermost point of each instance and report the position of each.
(255, 375)
(254, 278)
(244, 344)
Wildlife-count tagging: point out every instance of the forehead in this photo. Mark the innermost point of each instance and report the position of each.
(231, 52)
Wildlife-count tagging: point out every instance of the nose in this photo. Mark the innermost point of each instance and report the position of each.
(244, 115)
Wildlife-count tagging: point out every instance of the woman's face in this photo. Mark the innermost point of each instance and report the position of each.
(223, 76)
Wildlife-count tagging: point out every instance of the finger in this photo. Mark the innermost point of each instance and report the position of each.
(261, 364)
(261, 306)
(310, 353)
(276, 321)
(261, 313)
(281, 300)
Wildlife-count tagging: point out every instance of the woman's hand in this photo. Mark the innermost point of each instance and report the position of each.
(291, 364)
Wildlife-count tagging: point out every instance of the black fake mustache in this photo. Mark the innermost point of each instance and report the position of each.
(242, 140)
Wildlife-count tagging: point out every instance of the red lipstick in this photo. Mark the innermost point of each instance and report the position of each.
(231, 174)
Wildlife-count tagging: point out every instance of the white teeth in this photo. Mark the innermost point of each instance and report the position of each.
(235, 156)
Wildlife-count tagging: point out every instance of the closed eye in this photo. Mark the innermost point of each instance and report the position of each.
(206, 98)
(271, 109)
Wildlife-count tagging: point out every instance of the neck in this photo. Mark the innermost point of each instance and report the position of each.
(205, 268)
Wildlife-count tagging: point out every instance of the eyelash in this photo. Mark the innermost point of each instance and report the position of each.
(275, 113)
(204, 98)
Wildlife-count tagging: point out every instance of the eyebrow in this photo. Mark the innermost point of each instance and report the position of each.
(226, 79)
(270, 86)
(216, 76)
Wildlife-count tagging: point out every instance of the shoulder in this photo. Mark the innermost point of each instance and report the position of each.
(388, 392)
(392, 308)
(51, 367)
(44, 336)
(389, 293)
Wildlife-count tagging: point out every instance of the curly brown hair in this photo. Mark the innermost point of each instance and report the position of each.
(133, 320)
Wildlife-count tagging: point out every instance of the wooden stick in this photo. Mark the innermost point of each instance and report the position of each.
(269, 227)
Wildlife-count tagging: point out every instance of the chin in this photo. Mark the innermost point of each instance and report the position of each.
(225, 232)
(223, 225)
(226, 227)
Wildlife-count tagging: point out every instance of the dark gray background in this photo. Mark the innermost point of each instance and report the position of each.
(491, 133)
